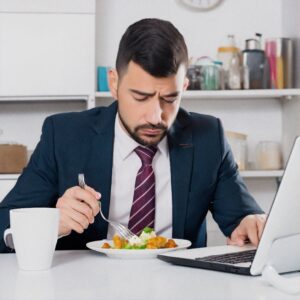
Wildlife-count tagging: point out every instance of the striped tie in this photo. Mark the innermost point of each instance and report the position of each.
(142, 212)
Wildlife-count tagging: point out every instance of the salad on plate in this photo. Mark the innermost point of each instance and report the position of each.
(146, 240)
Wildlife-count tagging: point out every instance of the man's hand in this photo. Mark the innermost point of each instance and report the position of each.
(249, 229)
(78, 207)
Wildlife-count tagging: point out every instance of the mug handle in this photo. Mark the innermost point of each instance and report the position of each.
(8, 238)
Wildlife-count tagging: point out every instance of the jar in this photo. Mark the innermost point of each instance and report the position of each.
(209, 77)
(193, 74)
(268, 155)
(238, 144)
(209, 73)
(222, 79)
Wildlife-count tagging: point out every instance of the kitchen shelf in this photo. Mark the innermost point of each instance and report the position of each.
(231, 94)
(103, 95)
(88, 100)
(37, 98)
(243, 94)
(9, 176)
(262, 173)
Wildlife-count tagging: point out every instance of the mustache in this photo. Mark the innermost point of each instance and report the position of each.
(152, 126)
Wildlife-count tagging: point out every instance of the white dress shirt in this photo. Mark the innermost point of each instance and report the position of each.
(126, 164)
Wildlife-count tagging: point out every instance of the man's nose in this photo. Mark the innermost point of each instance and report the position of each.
(154, 112)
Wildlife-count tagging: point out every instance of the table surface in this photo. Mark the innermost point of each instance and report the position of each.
(90, 275)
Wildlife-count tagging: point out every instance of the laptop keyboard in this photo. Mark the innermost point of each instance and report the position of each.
(230, 258)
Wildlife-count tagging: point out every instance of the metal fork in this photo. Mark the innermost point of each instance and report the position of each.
(121, 229)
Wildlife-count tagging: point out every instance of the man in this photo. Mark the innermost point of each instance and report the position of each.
(184, 164)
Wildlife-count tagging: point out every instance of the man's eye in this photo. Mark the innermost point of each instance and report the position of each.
(140, 98)
(169, 100)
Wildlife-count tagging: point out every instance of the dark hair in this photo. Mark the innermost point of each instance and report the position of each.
(155, 45)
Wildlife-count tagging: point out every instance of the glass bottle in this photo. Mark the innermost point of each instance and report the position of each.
(234, 72)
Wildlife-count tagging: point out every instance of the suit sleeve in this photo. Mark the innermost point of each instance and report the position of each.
(232, 201)
(37, 186)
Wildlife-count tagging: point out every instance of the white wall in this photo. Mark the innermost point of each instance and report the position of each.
(203, 32)
(291, 120)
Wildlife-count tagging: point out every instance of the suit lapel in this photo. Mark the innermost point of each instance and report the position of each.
(181, 160)
(98, 168)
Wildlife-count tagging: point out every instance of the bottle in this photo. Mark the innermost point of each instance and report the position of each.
(279, 52)
(225, 54)
(254, 58)
(245, 77)
(234, 73)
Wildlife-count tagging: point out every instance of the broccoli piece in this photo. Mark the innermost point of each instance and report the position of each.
(148, 230)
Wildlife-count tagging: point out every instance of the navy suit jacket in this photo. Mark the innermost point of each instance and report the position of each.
(204, 175)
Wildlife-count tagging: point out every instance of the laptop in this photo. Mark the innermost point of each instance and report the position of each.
(280, 241)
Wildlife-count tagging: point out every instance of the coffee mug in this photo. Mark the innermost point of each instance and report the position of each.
(34, 233)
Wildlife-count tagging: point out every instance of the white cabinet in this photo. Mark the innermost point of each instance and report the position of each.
(7, 182)
(47, 50)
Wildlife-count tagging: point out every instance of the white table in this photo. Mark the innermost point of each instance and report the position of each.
(89, 275)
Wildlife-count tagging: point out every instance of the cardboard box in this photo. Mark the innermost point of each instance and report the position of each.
(13, 158)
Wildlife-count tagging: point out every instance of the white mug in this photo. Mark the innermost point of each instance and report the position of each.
(34, 232)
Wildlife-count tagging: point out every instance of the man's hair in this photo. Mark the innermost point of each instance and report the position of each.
(155, 45)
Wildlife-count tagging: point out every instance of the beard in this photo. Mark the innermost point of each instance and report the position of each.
(134, 134)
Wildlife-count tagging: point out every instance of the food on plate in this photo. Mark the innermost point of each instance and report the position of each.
(147, 240)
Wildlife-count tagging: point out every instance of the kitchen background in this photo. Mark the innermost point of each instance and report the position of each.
(50, 51)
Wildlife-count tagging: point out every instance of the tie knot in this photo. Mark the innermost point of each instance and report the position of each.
(146, 154)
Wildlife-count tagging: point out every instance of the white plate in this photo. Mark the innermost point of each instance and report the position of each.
(135, 254)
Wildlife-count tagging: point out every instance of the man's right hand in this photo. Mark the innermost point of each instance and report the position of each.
(78, 208)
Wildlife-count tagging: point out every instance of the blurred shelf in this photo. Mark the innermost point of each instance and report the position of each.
(262, 173)
(9, 176)
(231, 94)
(103, 95)
(243, 94)
(38, 98)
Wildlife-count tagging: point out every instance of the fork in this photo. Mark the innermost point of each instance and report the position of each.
(120, 228)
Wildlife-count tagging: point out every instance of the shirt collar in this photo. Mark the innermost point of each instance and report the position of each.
(126, 145)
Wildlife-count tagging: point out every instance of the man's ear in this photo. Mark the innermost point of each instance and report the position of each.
(186, 83)
(113, 82)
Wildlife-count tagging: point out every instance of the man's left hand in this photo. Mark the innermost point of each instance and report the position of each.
(249, 229)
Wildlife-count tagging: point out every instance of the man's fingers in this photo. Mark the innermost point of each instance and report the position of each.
(232, 242)
(88, 197)
(74, 220)
(261, 222)
(237, 240)
(84, 209)
(78, 209)
(96, 194)
(252, 232)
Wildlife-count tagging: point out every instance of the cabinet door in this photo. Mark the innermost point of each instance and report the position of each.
(5, 187)
(47, 54)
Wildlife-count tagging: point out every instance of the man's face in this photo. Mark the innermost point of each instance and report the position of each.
(147, 105)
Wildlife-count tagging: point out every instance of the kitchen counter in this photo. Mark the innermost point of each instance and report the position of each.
(89, 275)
